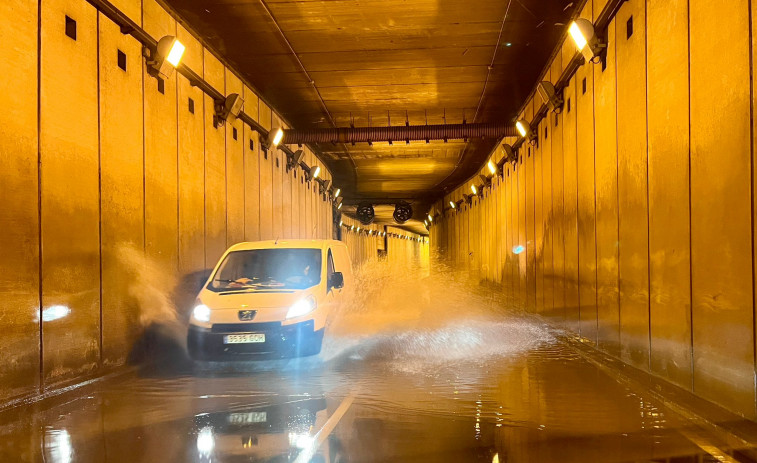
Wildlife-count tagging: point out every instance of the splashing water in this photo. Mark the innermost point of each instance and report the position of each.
(414, 314)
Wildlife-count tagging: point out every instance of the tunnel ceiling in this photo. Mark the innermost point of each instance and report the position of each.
(387, 61)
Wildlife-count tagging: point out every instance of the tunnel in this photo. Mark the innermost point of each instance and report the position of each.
(378, 231)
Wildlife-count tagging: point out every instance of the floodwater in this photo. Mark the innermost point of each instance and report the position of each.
(420, 366)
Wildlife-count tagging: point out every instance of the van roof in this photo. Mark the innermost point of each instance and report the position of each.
(285, 243)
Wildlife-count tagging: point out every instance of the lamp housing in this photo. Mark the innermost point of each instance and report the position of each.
(227, 110)
(550, 96)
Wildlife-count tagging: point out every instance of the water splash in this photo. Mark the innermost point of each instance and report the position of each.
(417, 314)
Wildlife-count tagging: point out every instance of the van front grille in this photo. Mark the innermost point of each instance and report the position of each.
(245, 327)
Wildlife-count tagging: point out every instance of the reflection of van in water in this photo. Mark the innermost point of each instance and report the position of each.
(269, 297)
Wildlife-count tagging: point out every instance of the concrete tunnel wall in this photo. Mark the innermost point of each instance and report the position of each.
(635, 209)
(114, 192)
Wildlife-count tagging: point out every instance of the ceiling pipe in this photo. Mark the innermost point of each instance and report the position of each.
(399, 133)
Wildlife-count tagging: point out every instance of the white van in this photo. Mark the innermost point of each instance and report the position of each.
(269, 297)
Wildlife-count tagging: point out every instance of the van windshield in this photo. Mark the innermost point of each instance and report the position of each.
(265, 269)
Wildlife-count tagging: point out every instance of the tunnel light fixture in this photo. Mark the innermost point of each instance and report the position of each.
(339, 207)
(550, 96)
(452, 205)
(323, 185)
(492, 167)
(337, 192)
(341, 222)
(311, 173)
(430, 219)
(485, 180)
(166, 56)
(474, 190)
(524, 129)
(227, 110)
(586, 39)
(294, 159)
(275, 137)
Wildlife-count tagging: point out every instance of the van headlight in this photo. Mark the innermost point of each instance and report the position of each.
(302, 307)
(201, 313)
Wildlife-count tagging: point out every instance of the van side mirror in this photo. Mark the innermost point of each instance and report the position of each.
(336, 280)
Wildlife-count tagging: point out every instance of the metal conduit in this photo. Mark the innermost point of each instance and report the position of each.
(399, 133)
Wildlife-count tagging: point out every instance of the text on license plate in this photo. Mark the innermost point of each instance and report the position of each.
(243, 338)
(247, 418)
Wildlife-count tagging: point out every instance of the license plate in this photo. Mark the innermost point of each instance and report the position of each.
(248, 418)
(243, 338)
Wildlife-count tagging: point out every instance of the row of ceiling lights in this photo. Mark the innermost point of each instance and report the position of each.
(369, 232)
(591, 47)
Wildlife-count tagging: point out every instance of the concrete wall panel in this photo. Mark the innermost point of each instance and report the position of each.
(251, 171)
(266, 177)
(70, 194)
(558, 219)
(669, 233)
(632, 185)
(547, 213)
(721, 233)
(277, 192)
(19, 216)
(570, 204)
(191, 163)
(587, 252)
(530, 230)
(121, 189)
(235, 172)
(606, 179)
(215, 166)
(161, 152)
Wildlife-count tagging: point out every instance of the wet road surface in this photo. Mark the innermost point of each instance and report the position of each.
(409, 397)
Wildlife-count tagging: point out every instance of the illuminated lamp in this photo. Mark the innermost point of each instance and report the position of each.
(166, 56)
(586, 39)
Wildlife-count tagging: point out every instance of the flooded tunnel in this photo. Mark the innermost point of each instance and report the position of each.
(377, 230)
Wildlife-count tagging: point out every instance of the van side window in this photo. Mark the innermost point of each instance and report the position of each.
(330, 266)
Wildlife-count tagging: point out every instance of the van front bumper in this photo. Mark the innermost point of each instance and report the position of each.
(294, 340)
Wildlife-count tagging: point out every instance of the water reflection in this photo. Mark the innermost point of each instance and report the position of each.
(58, 447)
(277, 432)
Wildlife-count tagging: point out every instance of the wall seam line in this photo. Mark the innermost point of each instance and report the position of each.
(40, 385)
(751, 187)
(646, 129)
(617, 188)
(99, 189)
(691, 269)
